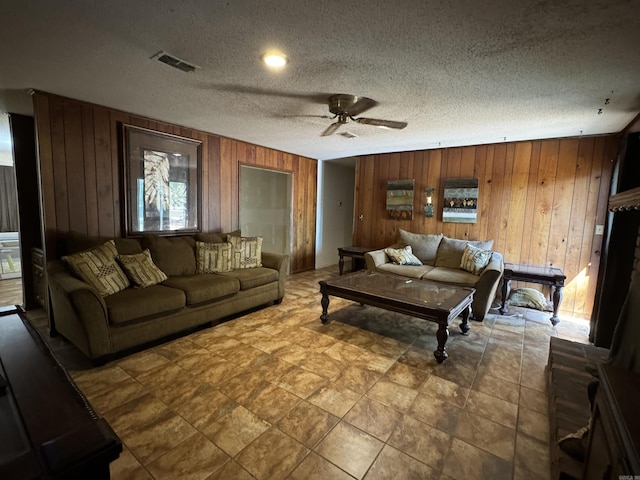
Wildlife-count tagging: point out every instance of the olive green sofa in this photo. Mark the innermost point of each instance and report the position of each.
(103, 326)
(441, 258)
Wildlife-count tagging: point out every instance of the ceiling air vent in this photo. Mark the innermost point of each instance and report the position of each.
(175, 62)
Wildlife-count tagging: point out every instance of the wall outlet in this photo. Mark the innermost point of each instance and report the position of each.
(599, 229)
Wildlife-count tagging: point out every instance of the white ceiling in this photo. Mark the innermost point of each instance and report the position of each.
(460, 72)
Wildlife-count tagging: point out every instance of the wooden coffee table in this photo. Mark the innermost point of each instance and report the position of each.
(432, 301)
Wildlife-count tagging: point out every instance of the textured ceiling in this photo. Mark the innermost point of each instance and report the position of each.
(459, 72)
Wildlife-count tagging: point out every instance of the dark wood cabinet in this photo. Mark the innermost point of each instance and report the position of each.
(614, 439)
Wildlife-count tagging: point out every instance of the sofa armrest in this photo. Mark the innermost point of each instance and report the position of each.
(79, 312)
(279, 262)
(487, 286)
(375, 258)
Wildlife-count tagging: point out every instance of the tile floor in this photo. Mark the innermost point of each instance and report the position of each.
(277, 395)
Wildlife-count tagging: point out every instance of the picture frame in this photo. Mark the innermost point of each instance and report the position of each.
(162, 182)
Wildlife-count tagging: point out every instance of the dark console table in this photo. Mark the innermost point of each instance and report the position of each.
(356, 254)
(48, 430)
(542, 275)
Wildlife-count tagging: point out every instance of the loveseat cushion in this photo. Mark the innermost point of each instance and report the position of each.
(172, 255)
(453, 276)
(405, 270)
(424, 246)
(134, 304)
(253, 277)
(450, 251)
(204, 287)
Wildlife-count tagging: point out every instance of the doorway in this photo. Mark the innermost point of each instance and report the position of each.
(265, 207)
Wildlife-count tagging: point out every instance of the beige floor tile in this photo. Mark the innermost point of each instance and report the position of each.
(121, 393)
(231, 471)
(135, 414)
(272, 456)
(533, 423)
(126, 466)
(177, 348)
(181, 390)
(334, 399)
(344, 352)
(356, 379)
(492, 408)
(199, 361)
(392, 464)
(243, 355)
(350, 449)
(307, 423)
(205, 408)
(487, 435)
(495, 386)
(421, 441)
(392, 394)
(244, 386)
(441, 388)
(437, 412)
(196, 458)
(456, 370)
(142, 362)
(235, 430)
(293, 353)
(314, 467)
(374, 418)
(100, 380)
(322, 365)
(165, 374)
(301, 382)
(374, 362)
(272, 403)
(469, 462)
(531, 454)
(219, 373)
(406, 375)
(532, 400)
(389, 347)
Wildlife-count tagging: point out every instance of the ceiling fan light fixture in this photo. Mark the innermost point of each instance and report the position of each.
(275, 59)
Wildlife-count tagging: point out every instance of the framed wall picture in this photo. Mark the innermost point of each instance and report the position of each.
(460, 200)
(400, 199)
(162, 182)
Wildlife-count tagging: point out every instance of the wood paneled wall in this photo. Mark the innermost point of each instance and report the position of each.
(539, 201)
(79, 147)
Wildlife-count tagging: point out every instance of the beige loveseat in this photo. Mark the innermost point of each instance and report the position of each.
(441, 258)
(101, 326)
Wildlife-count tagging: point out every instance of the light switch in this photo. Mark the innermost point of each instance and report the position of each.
(599, 229)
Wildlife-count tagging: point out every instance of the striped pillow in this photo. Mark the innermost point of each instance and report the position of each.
(213, 257)
(247, 252)
(98, 268)
(141, 270)
(402, 256)
(474, 259)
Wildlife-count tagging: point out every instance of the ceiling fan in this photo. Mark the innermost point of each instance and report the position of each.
(346, 107)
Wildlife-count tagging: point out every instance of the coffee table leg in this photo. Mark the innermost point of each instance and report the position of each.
(325, 307)
(464, 326)
(442, 335)
(557, 298)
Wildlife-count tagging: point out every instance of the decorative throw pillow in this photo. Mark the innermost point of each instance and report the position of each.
(98, 268)
(246, 252)
(475, 259)
(528, 297)
(213, 257)
(402, 256)
(450, 251)
(141, 270)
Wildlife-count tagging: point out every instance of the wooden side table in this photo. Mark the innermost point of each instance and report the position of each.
(542, 275)
(356, 254)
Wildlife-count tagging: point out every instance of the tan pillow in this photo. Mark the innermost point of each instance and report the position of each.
(528, 297)
(425, 246)
(98, 267)
(213, 257)
(475, 260)
(140, 269)
(246, 252)
(450, 251)
(402, 256)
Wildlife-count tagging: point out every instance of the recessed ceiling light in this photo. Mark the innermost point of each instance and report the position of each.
(275, 59)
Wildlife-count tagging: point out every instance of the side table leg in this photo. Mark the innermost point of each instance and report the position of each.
(325, 307)
(341, 264)
(442, 335)
(464, 326)
(557, 299)
(506, 288)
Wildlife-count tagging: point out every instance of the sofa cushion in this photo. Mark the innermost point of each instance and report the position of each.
(98, 268)
(137, 304)
(450, 251)
(141, 270)
(405, 270)
(216, 237)
(204, 287)
(474, 260)
(253, 277)
(453, 276)
(213, 257)
(246, 252)
(424, 246)
(402, 256)
(77, 242)
(172, 255)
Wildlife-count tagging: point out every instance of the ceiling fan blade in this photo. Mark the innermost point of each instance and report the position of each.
(331, 129)
(381, 123)
(361, 105)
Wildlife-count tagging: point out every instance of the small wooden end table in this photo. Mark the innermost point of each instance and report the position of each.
(356, 254)
(542, 275)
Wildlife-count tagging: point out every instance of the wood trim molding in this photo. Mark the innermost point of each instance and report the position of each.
(627, 200)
